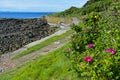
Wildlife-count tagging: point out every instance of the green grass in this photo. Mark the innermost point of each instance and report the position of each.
(42, 44)
(53, 66)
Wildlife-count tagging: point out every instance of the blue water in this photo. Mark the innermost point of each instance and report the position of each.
(23, 14)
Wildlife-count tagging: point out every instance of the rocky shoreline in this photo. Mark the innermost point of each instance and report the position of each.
(15, 33)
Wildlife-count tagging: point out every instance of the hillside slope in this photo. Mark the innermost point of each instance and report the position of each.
(90, 6)
(92, 54)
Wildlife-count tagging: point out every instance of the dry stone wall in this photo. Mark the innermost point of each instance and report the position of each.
(15, 33)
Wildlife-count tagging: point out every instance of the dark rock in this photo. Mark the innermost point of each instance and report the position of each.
(15, 33)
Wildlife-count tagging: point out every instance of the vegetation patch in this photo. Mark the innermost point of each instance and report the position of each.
(90, 6)
(95, 51)
(92, 54)
(54, 65)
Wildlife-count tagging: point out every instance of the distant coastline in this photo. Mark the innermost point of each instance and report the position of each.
(23, 15)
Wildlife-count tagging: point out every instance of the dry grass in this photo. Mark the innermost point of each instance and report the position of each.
(57, 20)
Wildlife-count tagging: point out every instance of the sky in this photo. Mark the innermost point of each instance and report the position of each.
(39, 5)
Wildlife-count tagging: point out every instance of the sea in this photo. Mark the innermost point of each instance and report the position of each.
(23, 15)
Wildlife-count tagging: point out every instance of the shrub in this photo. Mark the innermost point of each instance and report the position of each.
(95, 51)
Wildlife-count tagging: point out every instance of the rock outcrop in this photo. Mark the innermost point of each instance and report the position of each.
(15, 33)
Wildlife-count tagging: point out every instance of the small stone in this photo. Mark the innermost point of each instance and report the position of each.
(57, 42)
(1, 70)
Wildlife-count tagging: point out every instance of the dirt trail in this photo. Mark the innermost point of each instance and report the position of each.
(42, 51)
(6, 62)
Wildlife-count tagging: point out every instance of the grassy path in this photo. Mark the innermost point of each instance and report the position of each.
(59, 41)
(53, 66)
(42, 44)
(42, 51)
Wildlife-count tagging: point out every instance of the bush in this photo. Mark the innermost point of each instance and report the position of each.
(95, 51)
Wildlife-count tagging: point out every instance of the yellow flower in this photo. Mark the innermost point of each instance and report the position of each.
(95, 17)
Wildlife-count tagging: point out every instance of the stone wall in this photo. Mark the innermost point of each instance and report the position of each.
(15, 33)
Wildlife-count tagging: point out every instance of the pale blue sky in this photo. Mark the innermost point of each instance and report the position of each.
(39, 5)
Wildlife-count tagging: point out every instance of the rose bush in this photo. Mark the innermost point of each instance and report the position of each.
(95, 51)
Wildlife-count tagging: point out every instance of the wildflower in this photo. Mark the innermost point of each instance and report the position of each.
(113, 52)
(87, 59)
(68, 50)
(108, 50)
(90, 45)
(95, 17)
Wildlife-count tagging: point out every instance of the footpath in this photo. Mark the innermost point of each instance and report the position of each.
(6, 62)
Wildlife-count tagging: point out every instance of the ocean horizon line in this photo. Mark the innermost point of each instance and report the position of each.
(24, 14)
